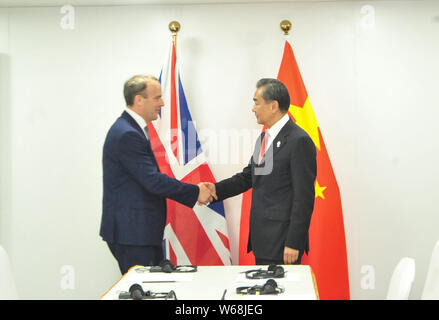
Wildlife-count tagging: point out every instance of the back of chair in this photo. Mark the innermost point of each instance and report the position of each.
(8, 290)
(402, 279)
(431, 287)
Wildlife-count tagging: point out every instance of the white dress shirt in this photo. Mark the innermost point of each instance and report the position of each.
(140, 121)
(275, 129)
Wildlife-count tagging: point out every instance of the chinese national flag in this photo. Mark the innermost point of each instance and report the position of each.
(327, 256)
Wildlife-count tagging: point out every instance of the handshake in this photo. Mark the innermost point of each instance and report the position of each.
(207, 193)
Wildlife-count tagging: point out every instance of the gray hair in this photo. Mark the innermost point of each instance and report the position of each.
(275, 90)
(134, 86)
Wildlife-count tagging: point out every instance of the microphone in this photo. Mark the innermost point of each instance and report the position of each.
(136, 292)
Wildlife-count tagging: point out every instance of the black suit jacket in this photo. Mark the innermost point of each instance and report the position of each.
(283, 193)
(135, 192)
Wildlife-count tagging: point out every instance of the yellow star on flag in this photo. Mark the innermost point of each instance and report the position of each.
(319, 191)
(306, 119)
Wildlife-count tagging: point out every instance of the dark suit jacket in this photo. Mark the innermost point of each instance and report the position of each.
(135, 192)
(283, 193)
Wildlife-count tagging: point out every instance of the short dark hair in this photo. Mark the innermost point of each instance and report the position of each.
(275, 90)
(134, 85)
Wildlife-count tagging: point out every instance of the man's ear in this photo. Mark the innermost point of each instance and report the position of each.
(137, 99)
(274, 106)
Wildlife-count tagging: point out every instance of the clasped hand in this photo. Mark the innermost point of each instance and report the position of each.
(207, 193)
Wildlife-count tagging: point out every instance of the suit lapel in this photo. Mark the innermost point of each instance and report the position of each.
(136, 126)
(279, 142)
(281, 139)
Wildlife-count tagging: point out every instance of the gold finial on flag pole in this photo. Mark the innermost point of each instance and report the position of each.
(286, 26)
(174, 27)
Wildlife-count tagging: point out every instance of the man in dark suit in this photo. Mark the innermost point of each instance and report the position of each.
(135, 192)
(281, 172)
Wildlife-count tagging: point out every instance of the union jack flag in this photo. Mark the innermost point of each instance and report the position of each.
(192, 236)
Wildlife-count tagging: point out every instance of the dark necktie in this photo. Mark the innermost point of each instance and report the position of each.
(147, 132)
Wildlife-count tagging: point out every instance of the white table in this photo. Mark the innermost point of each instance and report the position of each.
(210, 282)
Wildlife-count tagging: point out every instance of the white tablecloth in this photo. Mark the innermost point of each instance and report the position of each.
(210, 282)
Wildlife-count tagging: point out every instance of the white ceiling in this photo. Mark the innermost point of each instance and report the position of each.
(48, 3)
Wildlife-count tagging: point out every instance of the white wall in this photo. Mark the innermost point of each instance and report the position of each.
(373, 90)
(5, 136)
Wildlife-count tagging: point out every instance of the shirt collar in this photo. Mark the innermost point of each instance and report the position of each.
(275, 129)
(140, 121)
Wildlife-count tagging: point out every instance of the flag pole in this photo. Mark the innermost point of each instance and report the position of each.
(174, 27)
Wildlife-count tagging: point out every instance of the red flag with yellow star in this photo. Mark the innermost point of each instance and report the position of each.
(327, 256)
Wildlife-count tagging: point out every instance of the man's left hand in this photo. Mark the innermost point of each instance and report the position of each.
(290, 255)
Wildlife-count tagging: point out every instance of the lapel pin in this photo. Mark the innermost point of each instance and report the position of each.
(278, 144)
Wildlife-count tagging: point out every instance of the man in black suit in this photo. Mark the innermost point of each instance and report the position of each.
(135, 191)
(281, 172)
